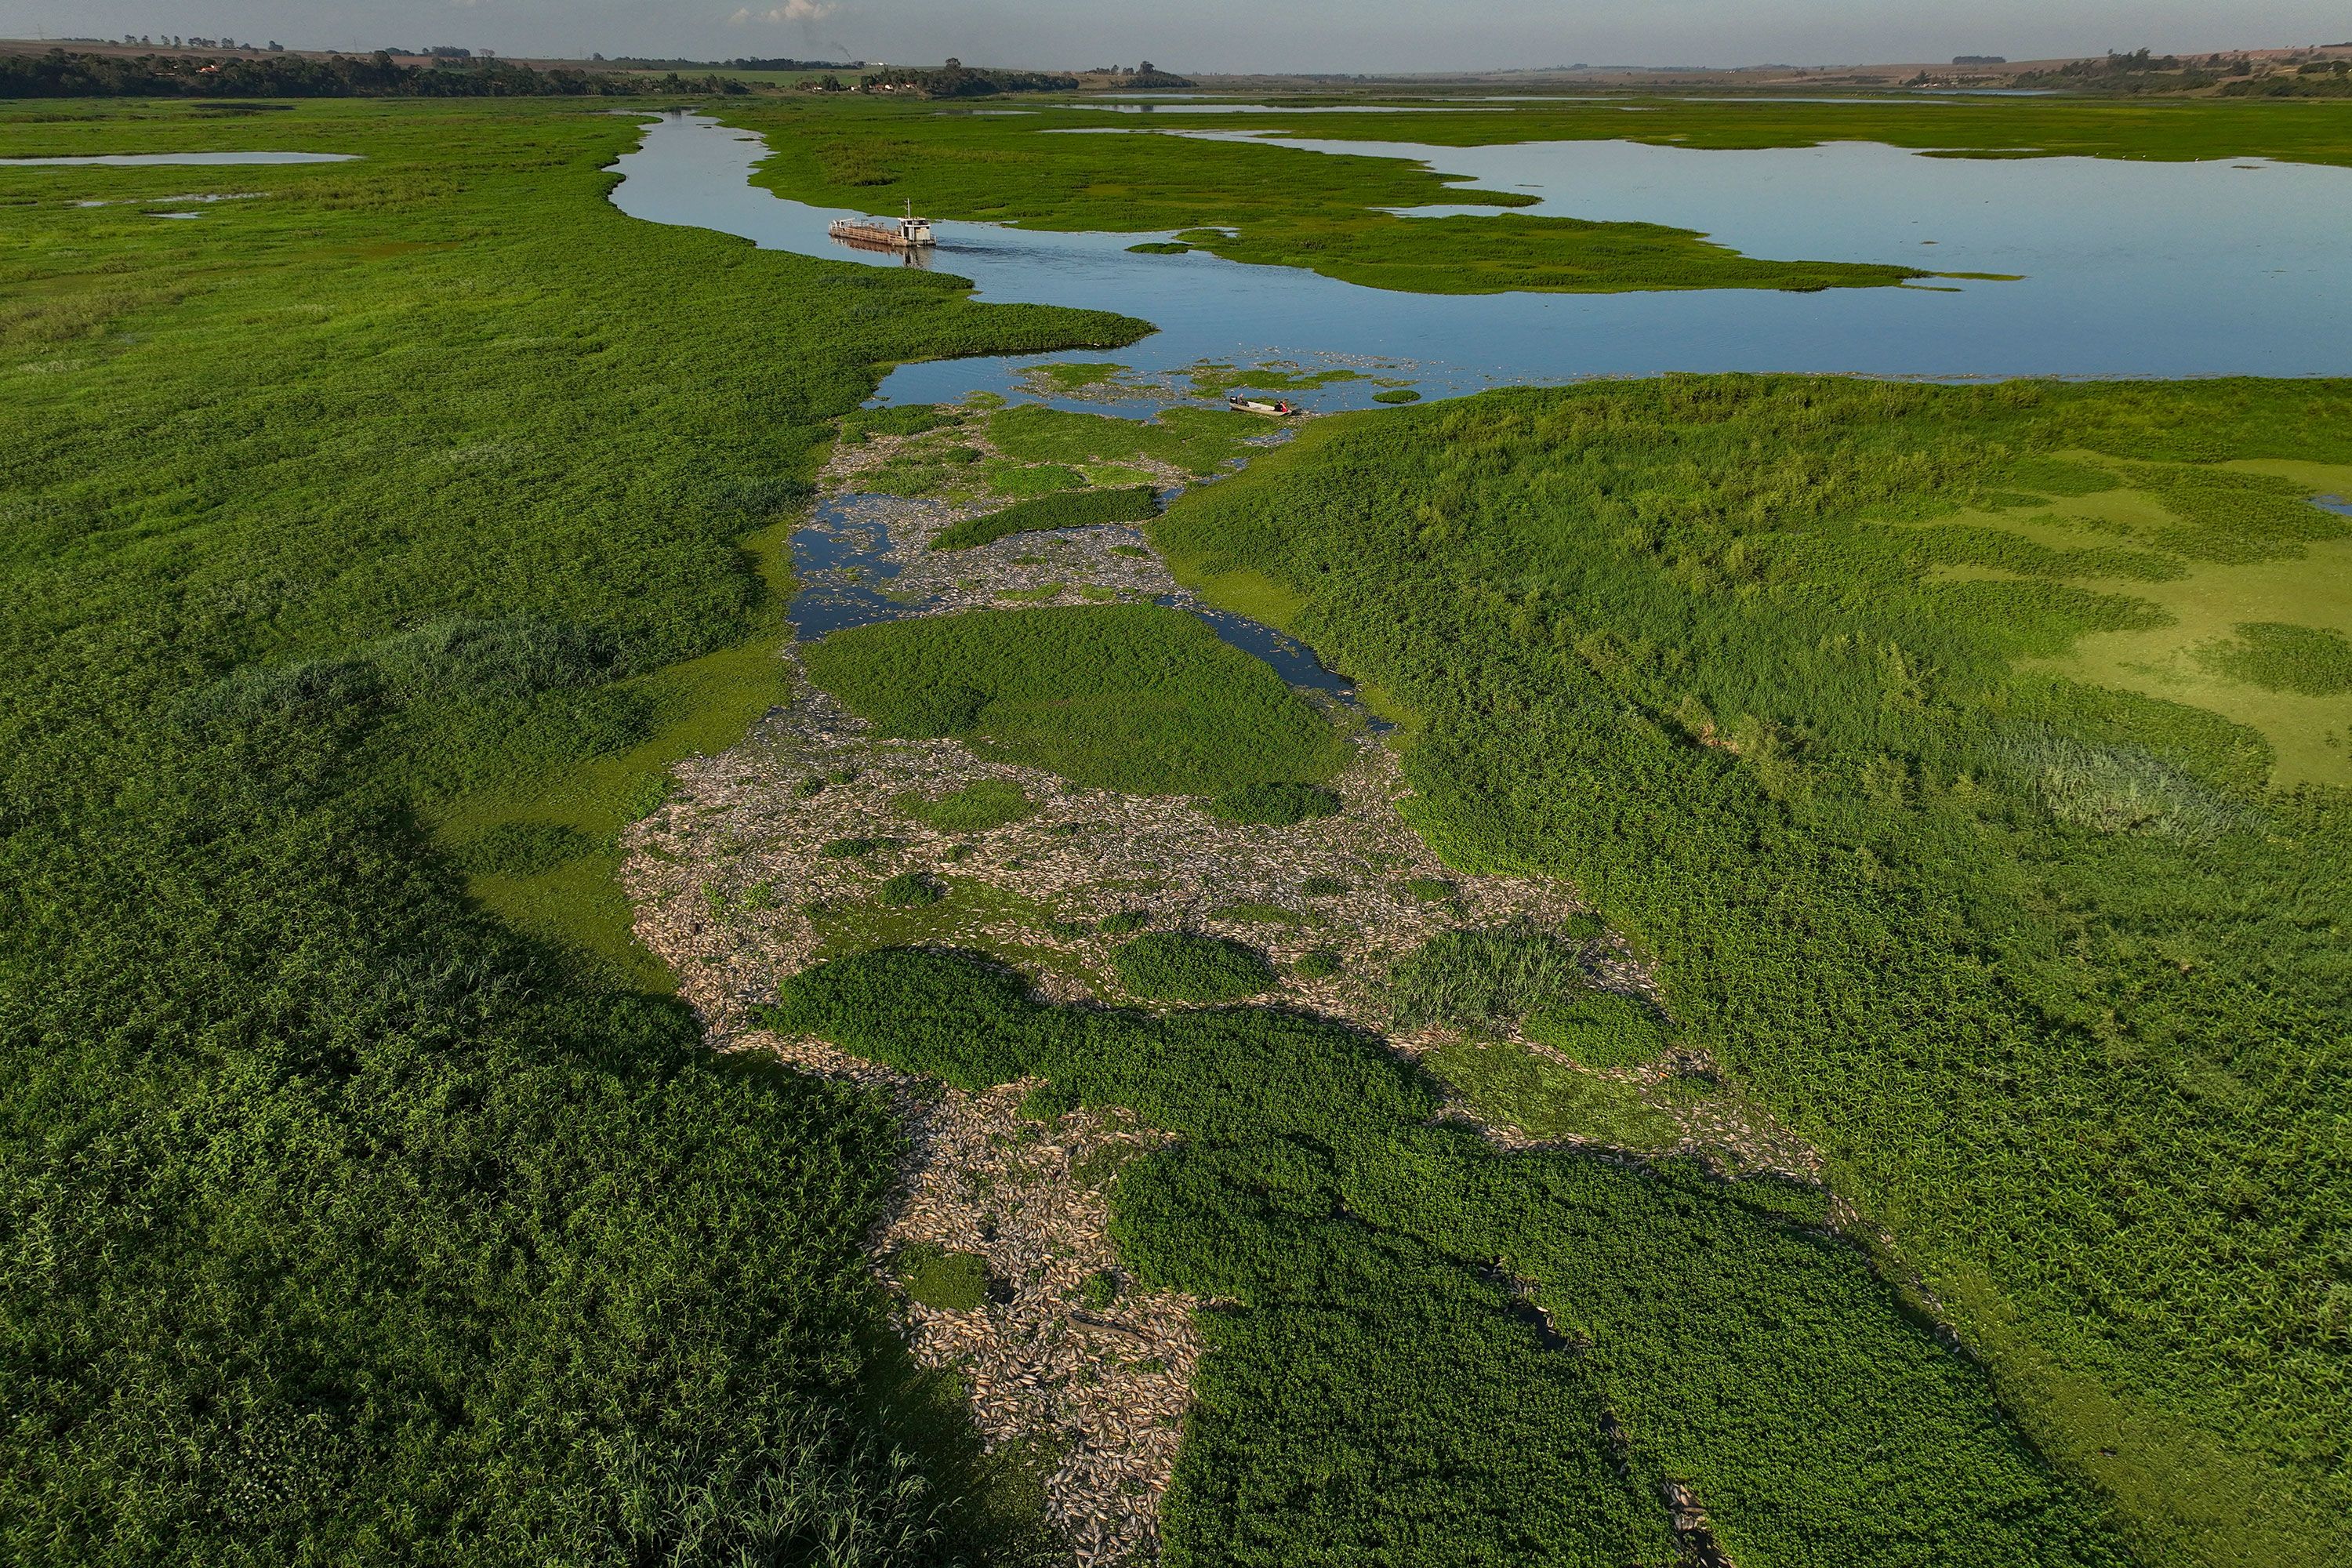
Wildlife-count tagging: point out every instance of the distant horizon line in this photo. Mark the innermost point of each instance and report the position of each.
(1424, 74)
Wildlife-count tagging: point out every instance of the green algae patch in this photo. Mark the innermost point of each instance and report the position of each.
(1129, 696)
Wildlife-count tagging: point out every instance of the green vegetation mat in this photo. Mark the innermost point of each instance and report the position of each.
(1276, 805)
(1601, 1029)
(1186, 966)
(1047, 455)
(1128, 697)
(975, 808)
(421, 500)
(1801, 682)
(1200, 441)
(1483, 979)
(1514, 1086)
(1068, 509)
(1381, 1389)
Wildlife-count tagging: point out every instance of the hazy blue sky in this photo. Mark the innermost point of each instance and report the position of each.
(1232, 34)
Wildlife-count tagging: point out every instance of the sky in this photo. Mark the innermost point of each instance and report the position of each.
(1368, 36)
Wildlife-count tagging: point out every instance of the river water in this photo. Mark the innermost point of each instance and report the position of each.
(2128, 269)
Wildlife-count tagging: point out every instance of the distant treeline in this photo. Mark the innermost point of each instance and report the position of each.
(2234, 76)
(782, 65)
(956, 79)
(2330, 79)
(60, 74)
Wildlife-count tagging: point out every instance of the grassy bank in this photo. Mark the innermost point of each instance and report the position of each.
(373, 542)
(1782, 673)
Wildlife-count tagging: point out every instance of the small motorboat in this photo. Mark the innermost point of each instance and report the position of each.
(1276, 407)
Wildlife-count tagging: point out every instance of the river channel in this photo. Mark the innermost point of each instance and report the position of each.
(2128, 268)
(2125, 269)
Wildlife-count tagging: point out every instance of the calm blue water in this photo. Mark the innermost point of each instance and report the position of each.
(2130, 269)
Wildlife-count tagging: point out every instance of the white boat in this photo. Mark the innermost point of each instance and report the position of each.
(908, 233)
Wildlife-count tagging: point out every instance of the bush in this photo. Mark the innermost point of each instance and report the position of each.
(1601, 1029)
(1063, 509)
(1482, 979)
(1184, 966)
(1276, 805)
(1320, 963)
(1123, 922)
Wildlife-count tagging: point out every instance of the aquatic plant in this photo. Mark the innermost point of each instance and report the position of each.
(1186, 966)
(1482, 979)
(2035, 963)
(1137, 697)
(1063, 509)
(1368, 1339)
(1277, 805)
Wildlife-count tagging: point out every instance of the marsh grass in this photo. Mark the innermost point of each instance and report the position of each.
(2279, 656)
(2122, 789)
(1483, 979)
(1307, 1188)
(1983, 929)
(1599, 1029)
(1509, 1084)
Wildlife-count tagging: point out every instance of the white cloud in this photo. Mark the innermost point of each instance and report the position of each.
(789, 11)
